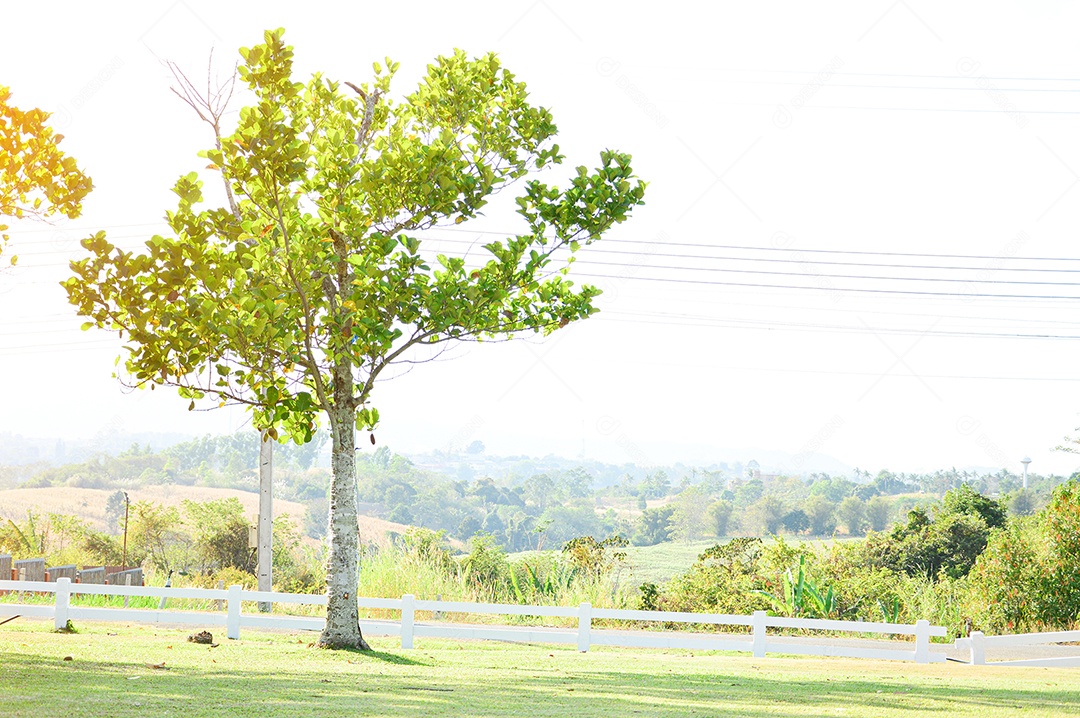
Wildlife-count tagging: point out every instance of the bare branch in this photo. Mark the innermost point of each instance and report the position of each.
(210, 108)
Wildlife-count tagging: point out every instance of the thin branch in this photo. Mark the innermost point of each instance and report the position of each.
(210, 108)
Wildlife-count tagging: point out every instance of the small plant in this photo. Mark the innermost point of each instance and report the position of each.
(556, 582)
(801, 597)
(68, 627)
(650, 597)
(890, 613)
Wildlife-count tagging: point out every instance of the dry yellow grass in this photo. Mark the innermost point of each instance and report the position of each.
(89, 505)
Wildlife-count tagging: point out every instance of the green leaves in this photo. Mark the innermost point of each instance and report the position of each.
(37, 179)
(295, 297)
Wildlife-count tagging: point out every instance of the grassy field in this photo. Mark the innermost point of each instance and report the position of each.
(119, 670)
(660, 562)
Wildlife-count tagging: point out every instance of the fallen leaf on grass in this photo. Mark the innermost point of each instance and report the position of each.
(69, 658)
(159, 666)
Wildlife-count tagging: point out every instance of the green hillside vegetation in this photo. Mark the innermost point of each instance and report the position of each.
(963, 565)
(524, 510)
(959, 549)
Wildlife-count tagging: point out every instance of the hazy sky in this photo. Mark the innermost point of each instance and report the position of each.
(766, 132)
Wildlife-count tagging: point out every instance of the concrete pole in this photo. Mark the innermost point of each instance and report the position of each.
(1025, 461)
(266, 517)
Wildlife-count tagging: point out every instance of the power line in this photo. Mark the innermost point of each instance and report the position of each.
(828, 289)
(603, 248)
(832, 329)
(906, 87)
(786, 370)
(910, 109)
(862, 252)
(949, 267)
(825, 275)
(862, 74)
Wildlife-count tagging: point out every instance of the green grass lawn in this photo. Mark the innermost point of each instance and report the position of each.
(280, 674)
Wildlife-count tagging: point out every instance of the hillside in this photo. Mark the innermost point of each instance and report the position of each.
(89, 505)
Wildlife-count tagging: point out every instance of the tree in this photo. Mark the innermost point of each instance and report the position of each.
(296, 296)
(220, 534)
(965, 500)
(114, 511)
(688, 519)
(575, 483)
(878, 513)
(1022, 502)
(768, 512)
(154, 534)
(653, 526)
(655, 485)
(796, 521)
(538, 490)
(820, 512)
(720, 516)
(852, 514)
(37, 180)
(949, 543)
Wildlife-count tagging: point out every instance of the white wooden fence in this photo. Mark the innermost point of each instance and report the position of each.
(977, 643)
(757, 642)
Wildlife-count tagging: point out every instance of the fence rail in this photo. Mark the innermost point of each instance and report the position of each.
(757, 642)
(977, 643)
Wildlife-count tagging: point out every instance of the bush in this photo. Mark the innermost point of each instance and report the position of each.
(220, 532)
(486, 567)
(721, 581)
(949, 544)
(1007, 582)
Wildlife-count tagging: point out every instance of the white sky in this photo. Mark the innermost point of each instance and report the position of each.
(872, 126)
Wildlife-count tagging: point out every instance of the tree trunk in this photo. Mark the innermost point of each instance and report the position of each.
(342, 623)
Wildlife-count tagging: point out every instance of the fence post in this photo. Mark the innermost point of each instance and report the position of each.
(232, 622)
(759, 634)
(168, 584)
(438, 614)
(584, 626)
(408, 615)
(22, 577)
(60, 612)
(978, 648)
(922, 641)
(127, 582)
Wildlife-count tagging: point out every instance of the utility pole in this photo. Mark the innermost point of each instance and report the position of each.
(1025, 461)
(266, 517)
(123, 561)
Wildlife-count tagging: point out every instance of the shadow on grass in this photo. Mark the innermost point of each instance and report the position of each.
(395, 658)
(388, 684)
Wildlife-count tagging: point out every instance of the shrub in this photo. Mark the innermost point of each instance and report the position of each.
(721, 581)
